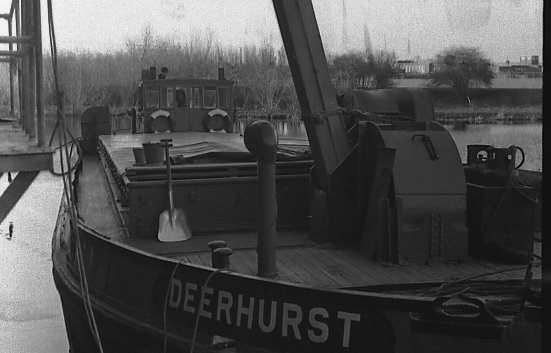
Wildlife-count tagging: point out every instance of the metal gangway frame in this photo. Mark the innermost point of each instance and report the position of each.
(23, 146)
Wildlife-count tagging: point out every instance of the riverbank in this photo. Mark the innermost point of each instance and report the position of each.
(485, 106)
(488, 115)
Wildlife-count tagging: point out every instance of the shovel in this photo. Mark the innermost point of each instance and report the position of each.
(173, 224)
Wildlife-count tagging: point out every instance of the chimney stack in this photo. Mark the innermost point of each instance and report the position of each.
(145, 74)
(152, 72)
(221, 73)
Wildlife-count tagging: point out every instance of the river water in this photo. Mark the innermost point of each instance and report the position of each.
(31, 319)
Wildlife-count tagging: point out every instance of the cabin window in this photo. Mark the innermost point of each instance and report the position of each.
(182, 97)
(224, 97)
(195, 101)
(209, 97)
(152, 97)
(167, 97)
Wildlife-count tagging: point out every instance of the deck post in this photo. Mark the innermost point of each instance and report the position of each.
(30, 54)
(261, 139)
(25, 96)
(10, 46)
(19, 60)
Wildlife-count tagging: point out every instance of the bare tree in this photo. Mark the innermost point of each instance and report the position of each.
(349, 70)
(382, 68)
(147, 39)
(461, 68)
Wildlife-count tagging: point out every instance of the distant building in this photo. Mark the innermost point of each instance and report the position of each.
(529, 60)
(520, 71)
(413, 67)
(527, 67)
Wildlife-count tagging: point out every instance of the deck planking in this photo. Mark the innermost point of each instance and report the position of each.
(345, 268)
(95, 197)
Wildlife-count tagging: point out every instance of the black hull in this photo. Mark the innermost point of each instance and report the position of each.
(136, 325)
(116, 333)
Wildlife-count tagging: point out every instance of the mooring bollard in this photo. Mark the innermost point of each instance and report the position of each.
(261, 139)
(221, 258)
(213, 245)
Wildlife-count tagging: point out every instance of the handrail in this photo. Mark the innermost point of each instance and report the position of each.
(17, 39)
(14, 52)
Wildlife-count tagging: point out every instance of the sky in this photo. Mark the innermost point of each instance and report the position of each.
(502, 29)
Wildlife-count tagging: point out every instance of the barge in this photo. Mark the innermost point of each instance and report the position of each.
(369, 237)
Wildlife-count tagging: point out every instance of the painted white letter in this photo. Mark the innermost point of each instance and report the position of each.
(225, 301)
(273, 312)
(324, 334)
(189, 297)
(347, 317)
(174, 302)
(291, 321)
(248, 311)
(206, 302)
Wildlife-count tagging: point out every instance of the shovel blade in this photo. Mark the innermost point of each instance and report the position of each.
(175, 228)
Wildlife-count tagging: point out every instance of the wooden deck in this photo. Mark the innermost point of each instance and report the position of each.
(96, 204)
(18, 153)
(325, 267)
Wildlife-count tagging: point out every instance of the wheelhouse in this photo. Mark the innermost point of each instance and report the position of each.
(185, 104)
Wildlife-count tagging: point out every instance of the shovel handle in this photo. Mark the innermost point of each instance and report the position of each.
(166, 144)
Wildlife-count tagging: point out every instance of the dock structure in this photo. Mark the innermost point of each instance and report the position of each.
(23, 147)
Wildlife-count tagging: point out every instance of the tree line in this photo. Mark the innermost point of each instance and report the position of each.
(263, 82)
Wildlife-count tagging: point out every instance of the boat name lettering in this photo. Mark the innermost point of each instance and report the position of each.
(261, 314)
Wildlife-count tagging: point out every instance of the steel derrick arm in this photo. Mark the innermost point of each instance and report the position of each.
(318, 103)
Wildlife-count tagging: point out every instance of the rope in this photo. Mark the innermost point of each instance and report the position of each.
(522, 194)
(68, 189)
(74, 143)
(493, 273)
(459, 286)
(166, 304)
(321, 118)
(509, 185)
(197, 316)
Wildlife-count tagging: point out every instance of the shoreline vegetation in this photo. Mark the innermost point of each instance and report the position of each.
(263, 82)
